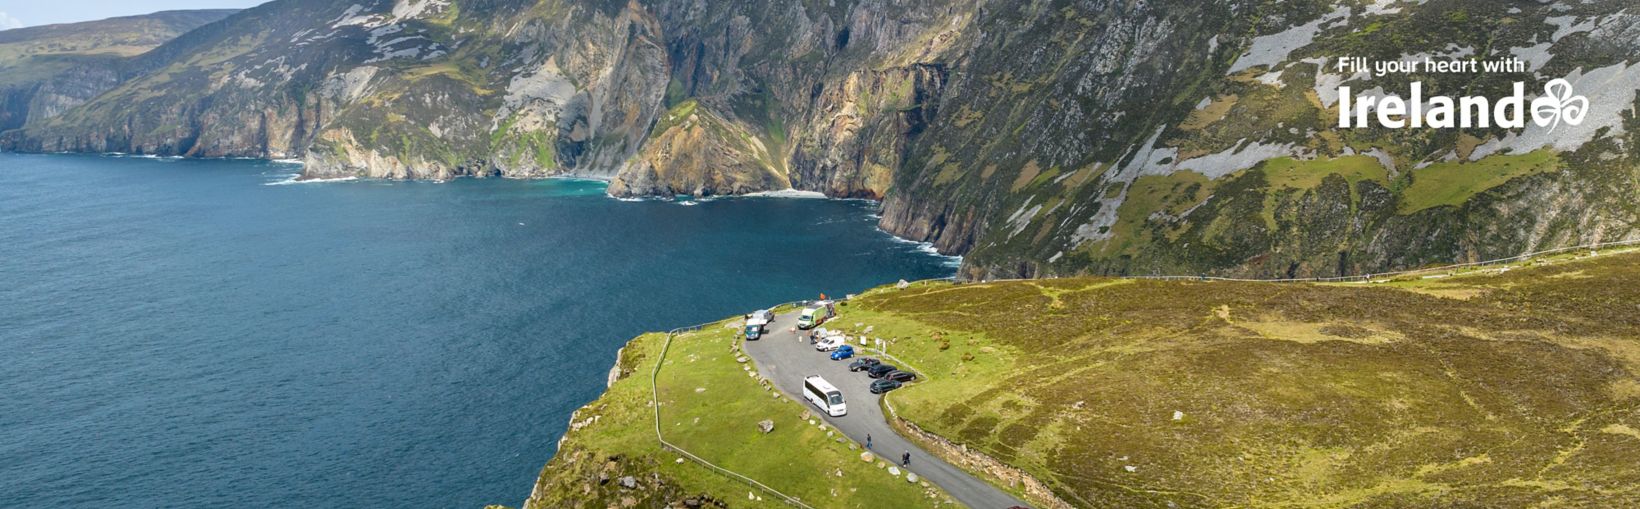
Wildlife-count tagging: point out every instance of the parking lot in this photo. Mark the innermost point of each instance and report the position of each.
(786, 358)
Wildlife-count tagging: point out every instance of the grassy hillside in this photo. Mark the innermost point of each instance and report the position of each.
(35, 53)
(1499, 387)
(710, 406)
(1491, 388)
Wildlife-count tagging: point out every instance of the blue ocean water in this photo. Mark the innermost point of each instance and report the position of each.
(180, 333)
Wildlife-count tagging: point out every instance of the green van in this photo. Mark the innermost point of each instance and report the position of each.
(814, 315)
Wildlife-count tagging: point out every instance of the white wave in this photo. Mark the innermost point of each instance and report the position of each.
(690, 200)
(576, 178)
(929, 249)
(297, 162)
(898, 239)
(297, 179)
(925, 248)
(788, 193)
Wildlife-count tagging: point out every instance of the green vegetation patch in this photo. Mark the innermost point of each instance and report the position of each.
(1288, 174)
(1154, 207)
(1454, 182)
(675, 116)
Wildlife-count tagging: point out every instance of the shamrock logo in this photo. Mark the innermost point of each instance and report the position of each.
(1558, 104)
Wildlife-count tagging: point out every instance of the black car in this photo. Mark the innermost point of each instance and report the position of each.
(863, 363)
(900, 376)
(879, 370)
(884, 385)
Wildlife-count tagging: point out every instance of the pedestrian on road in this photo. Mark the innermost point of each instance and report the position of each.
(868, 440)
(905, 459)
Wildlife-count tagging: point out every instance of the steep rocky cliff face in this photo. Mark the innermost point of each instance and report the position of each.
(696, 152)
(1037, 138)
(1204, 151)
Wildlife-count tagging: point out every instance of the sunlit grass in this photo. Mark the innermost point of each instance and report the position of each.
(1496, 388)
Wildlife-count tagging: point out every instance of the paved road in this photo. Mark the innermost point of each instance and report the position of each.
(788, 358)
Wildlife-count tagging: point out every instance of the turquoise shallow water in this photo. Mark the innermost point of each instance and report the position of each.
(182, 334)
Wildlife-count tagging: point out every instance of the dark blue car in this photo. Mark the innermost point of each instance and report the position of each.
(842, 352)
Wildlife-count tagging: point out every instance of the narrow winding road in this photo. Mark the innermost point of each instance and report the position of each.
(787, 358)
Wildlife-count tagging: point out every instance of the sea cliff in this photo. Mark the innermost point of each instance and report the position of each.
(1036, 140)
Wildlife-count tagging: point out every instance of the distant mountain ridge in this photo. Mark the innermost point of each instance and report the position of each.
(1040, 138)
(163, 25)
(48, 69)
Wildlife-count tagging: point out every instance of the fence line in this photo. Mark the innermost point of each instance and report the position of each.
(1362, 277)
(655, 401)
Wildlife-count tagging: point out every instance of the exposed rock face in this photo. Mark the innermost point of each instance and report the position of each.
(861, 128)
(696, 152)
(70, 89)
(581, 479)
(1101, 136)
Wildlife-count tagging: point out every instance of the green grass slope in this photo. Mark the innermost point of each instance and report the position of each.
(1486, 389)
(35, 53)
(711, 406)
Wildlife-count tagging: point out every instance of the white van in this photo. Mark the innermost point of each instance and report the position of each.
(830, 341)
(824, 395)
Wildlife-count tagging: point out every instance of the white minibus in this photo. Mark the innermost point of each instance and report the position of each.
(824, 395)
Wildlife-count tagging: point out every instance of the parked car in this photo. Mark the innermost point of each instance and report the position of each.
(863, 363)
(879, 370)
(884, 385)
(829, 343)
(842, 352)
(900, 376)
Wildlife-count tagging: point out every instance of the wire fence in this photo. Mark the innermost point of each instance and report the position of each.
(655, 401)
(1362, 277)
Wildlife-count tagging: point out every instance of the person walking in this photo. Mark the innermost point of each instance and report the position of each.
(868, 441)
(905, 459)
